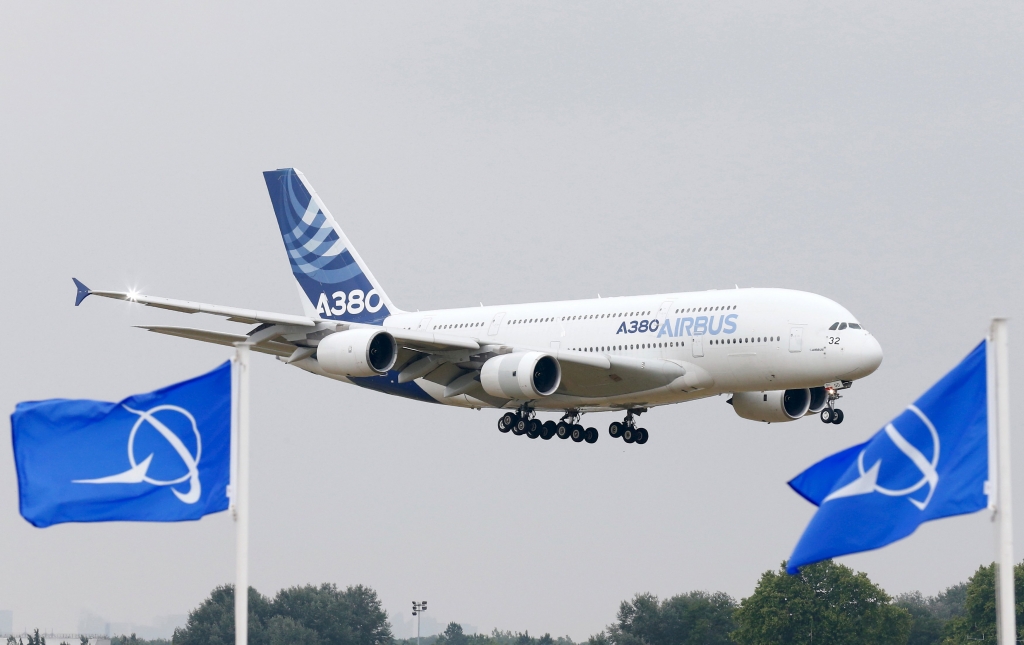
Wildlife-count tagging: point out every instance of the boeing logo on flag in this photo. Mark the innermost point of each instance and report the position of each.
(137, 474)
(163, 456)
(867, 482)
(934, 455)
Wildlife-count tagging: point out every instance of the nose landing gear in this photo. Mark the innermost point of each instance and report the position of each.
(832, 414)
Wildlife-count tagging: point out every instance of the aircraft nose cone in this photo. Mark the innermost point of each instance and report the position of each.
(871, 355)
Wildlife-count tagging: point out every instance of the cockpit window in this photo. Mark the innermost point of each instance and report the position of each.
(842, 326)
(854, 326)
(834, 327)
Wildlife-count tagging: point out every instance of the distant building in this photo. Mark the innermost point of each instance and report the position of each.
(7, 622)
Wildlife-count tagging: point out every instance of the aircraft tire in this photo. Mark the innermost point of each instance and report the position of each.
(563, 430)
(642, 436)
(592, 435)
(519, 427)
(839, 417)
(615, 430)
(578, 433)
(629, 435)
(547, 430)
(827, 416)
(506, 421)
(533, 427)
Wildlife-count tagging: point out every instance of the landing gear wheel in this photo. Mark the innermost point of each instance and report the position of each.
(615, 430)
(563, 430)
(642, 435)
(629, 435)
(506, 421)
(533, 428)
(591, 435)
(838, 417)
(520, 426)
(547, 430)
(827, 415)
(578, 433)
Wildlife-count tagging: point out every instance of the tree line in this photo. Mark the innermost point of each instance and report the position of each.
(825, 603)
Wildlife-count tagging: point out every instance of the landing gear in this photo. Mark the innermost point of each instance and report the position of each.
(832, 414)
(523, 422)
(627, 430)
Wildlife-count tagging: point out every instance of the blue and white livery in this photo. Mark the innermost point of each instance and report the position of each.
(780, 354)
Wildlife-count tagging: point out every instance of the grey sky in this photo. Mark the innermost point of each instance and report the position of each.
(499, 153)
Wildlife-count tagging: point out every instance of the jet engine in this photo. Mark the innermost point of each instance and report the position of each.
(523, 375)
(357, 352)
(775, 406)
(819, 399)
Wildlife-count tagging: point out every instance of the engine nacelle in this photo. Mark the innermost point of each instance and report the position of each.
(357, 352)
(819, 399)
(523, 375)
(773, 407)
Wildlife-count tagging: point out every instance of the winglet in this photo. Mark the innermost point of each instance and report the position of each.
(83, 291)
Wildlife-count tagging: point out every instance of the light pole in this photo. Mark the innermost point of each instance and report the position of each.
(417, 609)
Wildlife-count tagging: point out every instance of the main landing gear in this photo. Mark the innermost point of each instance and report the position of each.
(627, 430)
(523, 422)
(832, 414)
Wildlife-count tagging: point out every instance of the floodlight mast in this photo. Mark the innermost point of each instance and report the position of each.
(417, 609)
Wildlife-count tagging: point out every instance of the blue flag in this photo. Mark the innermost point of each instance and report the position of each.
(164, 456)
(929, 462)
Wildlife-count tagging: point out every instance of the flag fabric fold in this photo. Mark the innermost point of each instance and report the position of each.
(162, 456)
(929, 462)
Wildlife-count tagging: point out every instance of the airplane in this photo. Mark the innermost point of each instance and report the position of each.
(780, 354)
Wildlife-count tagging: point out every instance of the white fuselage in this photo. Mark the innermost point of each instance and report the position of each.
(745, 339)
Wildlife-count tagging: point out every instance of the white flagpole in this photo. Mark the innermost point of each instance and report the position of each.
(1006, 619)
(240, 493)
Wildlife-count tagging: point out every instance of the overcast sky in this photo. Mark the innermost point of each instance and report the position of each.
(872, 153)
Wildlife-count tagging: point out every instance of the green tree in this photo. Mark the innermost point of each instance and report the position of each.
(350, 617)
(926, 628)
(282, 630)
(697, 617)
(977, 623)
(213, 622)
(83, 640)
(825, 603)
(36, 639)
(453, 635)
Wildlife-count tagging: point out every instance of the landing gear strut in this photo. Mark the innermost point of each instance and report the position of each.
(832, 414)
(627, 430)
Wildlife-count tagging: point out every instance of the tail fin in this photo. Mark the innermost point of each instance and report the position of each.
(334, 281)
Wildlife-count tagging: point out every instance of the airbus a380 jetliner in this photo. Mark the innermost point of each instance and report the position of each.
(781, 354)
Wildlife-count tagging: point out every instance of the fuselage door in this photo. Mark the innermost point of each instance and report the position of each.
(796, 339)
(424, 324)
(664, 310)
(698, 346)
(496, 323)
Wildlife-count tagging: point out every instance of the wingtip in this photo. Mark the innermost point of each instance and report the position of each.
(83, 291)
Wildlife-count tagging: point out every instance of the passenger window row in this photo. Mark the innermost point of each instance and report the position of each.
(750, 339)
(623, 348)
(458, 326)
(615, 315)
(699, 309)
